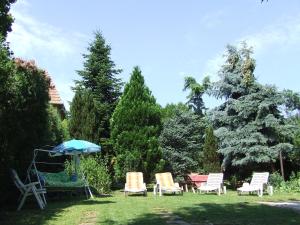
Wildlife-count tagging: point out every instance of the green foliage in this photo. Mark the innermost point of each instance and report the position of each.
(56, 130)
(169, 111)
(135, 127)
(84, 118)
(6, 18)
(23, 113)
(250, 126)
(99, 80)
(211, 161)
(96, 173)
(195, 100)
(292, 185)
(181, 141)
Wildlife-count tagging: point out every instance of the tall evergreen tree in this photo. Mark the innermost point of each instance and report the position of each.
(250, 126)
(99, 78)
(135, 127)
(211, 161)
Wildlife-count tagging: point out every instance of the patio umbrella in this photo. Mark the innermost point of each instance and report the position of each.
(75, 147)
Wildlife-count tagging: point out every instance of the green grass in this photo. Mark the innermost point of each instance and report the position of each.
(192, 208)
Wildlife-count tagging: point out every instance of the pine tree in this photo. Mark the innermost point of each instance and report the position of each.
(99, 79)
(211, 161)
(135, 127)
(249, 125)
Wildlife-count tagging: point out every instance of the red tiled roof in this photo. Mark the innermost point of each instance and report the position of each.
(53, 93)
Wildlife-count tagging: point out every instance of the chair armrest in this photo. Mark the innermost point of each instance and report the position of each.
(144, 184)
(176, 185)
(31, 184)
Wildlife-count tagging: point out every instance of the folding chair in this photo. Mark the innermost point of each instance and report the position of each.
(27, 190)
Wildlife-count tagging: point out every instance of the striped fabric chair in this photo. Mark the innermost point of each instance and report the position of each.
(256, 185)
(214, 183)
(165, 184)
(135, 183)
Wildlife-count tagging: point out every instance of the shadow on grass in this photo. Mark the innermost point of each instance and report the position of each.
(225, 214)
(31, 214)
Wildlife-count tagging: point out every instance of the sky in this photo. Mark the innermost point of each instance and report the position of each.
(167, 39)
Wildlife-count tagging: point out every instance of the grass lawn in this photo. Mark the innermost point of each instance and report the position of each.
(228, 209)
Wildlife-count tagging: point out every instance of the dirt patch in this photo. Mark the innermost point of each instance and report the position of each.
(88, 218)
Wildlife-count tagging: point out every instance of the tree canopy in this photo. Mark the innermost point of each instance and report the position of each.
(99, 78)
(135, 127)
(6, 18)
(181, 141)
(250, 125)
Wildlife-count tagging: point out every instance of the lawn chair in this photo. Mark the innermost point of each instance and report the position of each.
(214, 183)
(165, 183)
(27, 190)
(256, 185)
(135, 183)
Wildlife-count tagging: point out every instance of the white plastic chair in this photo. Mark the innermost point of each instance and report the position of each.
(214, 183)
(256, 185)
(27, 190)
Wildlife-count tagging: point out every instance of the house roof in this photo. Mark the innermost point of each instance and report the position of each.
(53, 93)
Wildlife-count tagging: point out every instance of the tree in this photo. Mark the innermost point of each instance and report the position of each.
(250, 126)
(195, 100)
(84, 117)
(135, 127)
(99, 79)
(170, 110)
(23, 114)
(6, 18)
(181, 141)
(211, 161)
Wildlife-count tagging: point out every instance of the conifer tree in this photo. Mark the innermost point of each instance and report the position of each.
(181, 141)
(249, 125)
(211, 161)
(84, 117)
(99, 79)
(135, 127)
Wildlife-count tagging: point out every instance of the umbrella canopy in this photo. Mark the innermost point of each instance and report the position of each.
(75, 147)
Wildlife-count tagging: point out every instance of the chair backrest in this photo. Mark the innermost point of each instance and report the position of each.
(134, 179)
(214, 179)
(164, 179)
(20, 185)
(259, 179)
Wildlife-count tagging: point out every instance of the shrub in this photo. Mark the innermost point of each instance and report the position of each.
(95, 170)
(292, 185)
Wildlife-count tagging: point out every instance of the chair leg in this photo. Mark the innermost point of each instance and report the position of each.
(23, 199)
(38, 198)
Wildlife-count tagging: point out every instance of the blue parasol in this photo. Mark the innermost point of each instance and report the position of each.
(75, 147)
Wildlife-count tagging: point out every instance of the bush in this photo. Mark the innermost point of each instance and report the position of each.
(292, 185)
(95, 170)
